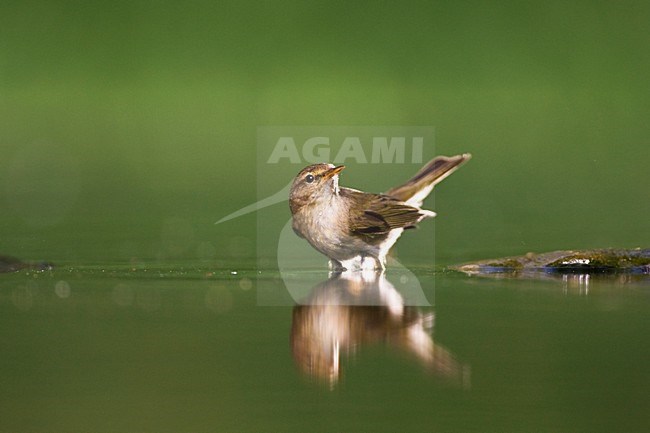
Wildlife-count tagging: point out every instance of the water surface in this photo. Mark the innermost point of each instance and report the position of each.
(170, 349)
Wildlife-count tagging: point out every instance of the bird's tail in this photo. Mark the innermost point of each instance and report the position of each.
(416, 189)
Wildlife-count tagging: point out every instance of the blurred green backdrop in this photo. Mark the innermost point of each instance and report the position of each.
(128, 128)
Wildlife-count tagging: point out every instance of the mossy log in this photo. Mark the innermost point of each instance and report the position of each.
(611, 261)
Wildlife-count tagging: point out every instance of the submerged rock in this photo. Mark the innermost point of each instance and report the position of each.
(12, 264)
(603, 261)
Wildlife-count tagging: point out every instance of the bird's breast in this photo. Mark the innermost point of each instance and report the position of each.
(324, 225)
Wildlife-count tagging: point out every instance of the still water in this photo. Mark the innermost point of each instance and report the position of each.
(188, 349)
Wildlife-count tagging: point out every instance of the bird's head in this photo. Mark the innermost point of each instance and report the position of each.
(313, 183)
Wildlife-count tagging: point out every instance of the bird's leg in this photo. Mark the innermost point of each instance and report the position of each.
(375, 264)
(336, 266)
(363, 263)
(381, 263)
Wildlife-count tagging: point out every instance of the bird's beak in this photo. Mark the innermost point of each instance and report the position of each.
(333, 171)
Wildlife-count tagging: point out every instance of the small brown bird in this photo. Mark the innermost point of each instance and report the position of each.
(349, 226)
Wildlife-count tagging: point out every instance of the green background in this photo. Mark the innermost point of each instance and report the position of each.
(128, 128)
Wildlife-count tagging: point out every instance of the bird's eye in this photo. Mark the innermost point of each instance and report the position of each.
(309, 178)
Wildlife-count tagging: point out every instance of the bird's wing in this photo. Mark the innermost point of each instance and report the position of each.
(379, 214)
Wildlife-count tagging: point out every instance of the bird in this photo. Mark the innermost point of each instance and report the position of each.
(357, 229)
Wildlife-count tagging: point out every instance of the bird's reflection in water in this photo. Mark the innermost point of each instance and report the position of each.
(353, 309)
